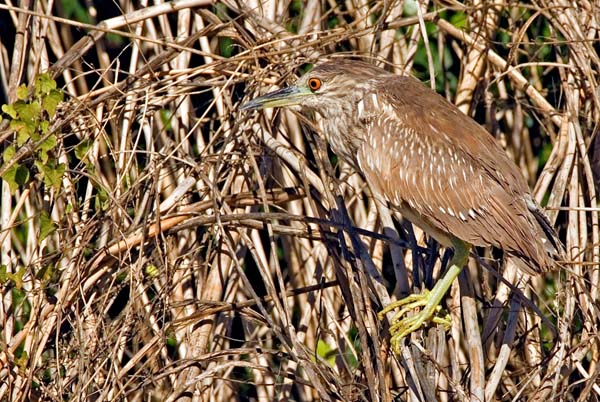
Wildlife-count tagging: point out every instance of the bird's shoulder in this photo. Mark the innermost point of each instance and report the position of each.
(418, 107)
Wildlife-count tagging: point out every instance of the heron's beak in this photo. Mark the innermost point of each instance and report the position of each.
(288, 96)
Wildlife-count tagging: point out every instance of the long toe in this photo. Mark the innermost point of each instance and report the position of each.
(408, 303)
(403, 324)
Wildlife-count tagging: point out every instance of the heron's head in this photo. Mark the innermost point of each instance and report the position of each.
(331, 85)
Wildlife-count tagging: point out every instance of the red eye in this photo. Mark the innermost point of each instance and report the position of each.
(314, 84)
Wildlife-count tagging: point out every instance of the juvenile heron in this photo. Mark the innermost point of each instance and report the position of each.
(435, 165)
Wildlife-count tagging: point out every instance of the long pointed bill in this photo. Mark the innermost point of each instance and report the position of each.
(288, 96)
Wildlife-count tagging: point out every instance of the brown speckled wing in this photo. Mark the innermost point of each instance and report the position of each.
(442, 171)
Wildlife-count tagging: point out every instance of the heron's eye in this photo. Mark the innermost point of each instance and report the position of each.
(314, 84)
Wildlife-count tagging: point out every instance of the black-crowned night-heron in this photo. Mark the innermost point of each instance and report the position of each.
(435, 165)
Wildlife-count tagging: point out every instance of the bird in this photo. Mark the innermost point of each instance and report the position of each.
(429, 161)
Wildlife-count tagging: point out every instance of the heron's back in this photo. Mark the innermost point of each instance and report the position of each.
(446, 173)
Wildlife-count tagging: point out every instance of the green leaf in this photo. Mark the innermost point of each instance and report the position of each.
(90, 168)
(35, 134)
(28, 111)
(56, 174)
(10, 177)
(101, 200)
(166, 118)
(333, 23)
(82, 149)
(115, 40)
(226, 46)
(22, 175)
(51, 173)
(22, 129)
(75, 10)
(47, 225)
(44, 125)
(47, 146)
(44, 84)
(122, 277)
(17, 175)
(51, 101)
(459, 20)
(326, 352)
(10, 110)
(171, 341)
(296, 7)
(8, 153)
(45, 273)
(151, 270)
(3, 274)
(22, 92)
(17, 278)
(22, 357)
(410, 8)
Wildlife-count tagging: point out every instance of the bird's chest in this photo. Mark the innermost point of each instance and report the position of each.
(343, 137)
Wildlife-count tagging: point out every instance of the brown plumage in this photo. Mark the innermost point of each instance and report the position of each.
(437, 166)
(447, 174)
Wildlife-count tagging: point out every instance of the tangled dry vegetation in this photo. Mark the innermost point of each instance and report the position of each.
(159, 244)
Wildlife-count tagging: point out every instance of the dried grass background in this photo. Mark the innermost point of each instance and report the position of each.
(206, 254)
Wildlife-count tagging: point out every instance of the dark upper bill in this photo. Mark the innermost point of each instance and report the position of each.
(287, 96)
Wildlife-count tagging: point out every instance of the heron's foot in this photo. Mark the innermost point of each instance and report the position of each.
(402, 325)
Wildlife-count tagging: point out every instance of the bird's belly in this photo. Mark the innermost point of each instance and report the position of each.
(425, 224)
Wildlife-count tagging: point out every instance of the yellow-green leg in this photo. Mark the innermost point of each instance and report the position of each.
(401, 326)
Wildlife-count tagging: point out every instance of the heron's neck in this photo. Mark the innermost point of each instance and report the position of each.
(343, 134)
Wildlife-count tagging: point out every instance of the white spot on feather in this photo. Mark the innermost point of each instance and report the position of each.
(361, 108)
(375, 100)
(453, 182)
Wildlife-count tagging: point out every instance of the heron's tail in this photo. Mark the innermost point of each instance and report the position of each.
(552, 244)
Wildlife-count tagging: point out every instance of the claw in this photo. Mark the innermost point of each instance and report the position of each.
(401, 325)
(410, 303)
(428, 302)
